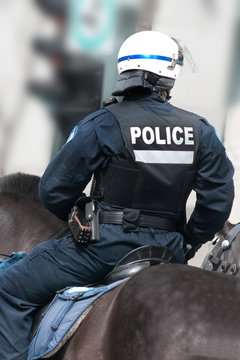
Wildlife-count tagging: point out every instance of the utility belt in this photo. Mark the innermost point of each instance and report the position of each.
(86, 216)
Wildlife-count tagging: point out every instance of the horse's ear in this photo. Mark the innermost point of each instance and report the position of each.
(226, 228)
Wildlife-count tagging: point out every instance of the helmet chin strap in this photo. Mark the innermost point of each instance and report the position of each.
(139, 79)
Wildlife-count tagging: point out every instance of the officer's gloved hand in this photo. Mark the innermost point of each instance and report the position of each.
(190, 250)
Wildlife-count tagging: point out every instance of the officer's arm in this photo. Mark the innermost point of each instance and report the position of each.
(71, 169)
(214, 188)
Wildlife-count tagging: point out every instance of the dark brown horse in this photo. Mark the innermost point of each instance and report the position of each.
(166, 312)
(225, 256)
(24, 222)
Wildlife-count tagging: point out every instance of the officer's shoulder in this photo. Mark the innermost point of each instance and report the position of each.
(207, 130)
(198, 117)
(98, 115)
(186, 112)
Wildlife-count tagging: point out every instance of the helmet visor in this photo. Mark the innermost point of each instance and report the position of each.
(189, 65)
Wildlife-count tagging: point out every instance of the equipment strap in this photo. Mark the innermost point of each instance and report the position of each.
(215, 260)
(116, 217)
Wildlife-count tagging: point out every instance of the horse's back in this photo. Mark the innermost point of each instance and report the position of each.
(176, 312)
(167, 312)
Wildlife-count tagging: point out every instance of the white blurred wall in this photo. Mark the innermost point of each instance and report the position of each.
(26, 132)
(207, 27)
(232, 144)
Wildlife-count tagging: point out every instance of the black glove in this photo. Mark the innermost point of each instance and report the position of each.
(190, 251)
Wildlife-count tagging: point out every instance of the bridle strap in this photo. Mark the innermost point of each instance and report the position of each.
(233, 233)
(224, 247)
(5, 255)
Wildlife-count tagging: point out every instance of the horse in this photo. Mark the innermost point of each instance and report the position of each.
(167, 311)
(224, 256)
(24, 221)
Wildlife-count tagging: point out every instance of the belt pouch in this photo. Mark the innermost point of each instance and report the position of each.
(130, 222)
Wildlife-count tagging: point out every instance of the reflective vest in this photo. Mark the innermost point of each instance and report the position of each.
(155, 172)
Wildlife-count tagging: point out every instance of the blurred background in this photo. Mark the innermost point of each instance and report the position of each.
(58, 63)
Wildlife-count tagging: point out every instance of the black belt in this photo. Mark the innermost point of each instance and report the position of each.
(116, 217)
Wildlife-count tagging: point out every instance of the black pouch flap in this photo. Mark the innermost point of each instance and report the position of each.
(130, 220)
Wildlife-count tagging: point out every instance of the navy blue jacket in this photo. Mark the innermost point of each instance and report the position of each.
(98, 137)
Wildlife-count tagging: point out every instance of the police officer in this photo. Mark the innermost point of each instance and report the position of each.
(146, 156)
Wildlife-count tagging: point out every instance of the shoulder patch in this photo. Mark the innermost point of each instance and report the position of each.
(218, 136)
(72, 134)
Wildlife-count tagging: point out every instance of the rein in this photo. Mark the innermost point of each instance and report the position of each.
(4, 257)
(225, 246)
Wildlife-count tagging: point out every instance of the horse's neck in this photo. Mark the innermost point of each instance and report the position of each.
(24, 226)
(230, 258)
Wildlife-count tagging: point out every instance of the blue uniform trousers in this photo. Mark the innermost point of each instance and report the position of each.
(55, 264)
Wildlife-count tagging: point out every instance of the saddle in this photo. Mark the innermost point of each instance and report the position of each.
(70, 306)
(137, 260)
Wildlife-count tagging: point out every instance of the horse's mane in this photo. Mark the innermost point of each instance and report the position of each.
(20, 187)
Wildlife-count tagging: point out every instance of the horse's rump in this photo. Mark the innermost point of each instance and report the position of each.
(168, 312)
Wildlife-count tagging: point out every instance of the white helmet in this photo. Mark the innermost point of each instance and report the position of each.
(151, 51)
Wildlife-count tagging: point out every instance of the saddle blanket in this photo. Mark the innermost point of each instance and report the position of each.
(62, 318)
(5, 263)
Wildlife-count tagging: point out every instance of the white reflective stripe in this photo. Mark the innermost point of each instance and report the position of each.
(164, 156)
